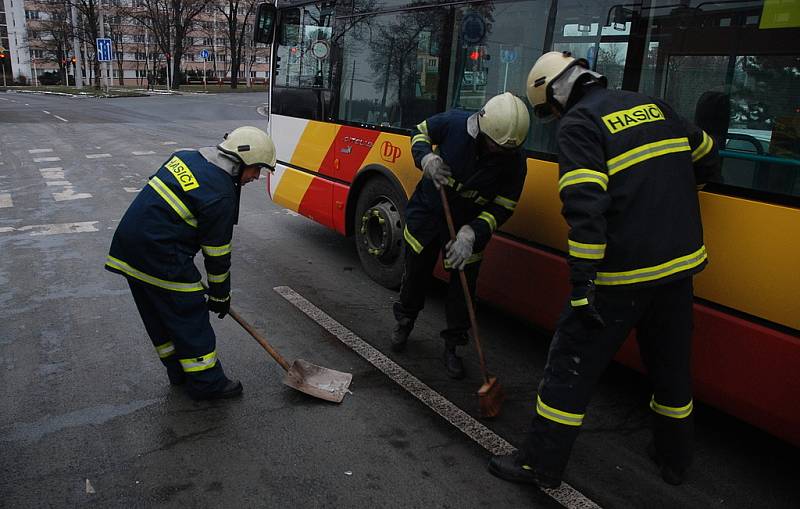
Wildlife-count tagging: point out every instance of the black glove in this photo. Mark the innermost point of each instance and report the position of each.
(220, 306)
(582, 301)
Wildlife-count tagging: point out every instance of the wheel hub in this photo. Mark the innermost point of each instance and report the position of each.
(380, 230)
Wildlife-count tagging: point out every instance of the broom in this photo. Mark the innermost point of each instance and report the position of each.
(490, 394)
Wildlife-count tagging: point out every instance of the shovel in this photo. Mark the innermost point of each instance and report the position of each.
(322, 383)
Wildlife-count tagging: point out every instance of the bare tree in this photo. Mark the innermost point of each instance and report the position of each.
(53, 37)
(90, 12)
(237, 14)
(170, 21)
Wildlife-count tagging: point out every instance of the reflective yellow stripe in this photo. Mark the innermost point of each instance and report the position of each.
(201, 363)
(651, 273)
(414, 243)
(480, 200)
(505, 202)
(216, 299)
(218, 278)
(645, 152)
(173, 201)
(165, 350)
(581, 176)
(558, 416)
(216, 250)
(420, 138)
(114, 263)
(588, 251)
(704, 148)
(580, 302)
(472, 259)
(423, 128)
(489, 218)
(671, 411)
(469, 194)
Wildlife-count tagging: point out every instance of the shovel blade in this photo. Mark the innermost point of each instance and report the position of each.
(322, 383)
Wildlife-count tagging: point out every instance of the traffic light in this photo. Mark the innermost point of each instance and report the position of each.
(73, 60)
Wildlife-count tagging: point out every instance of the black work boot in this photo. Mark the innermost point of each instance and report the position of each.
(230, 389)
(400, 334)
(671, 475)
(176, 376)
(452, 363)
(513, 467)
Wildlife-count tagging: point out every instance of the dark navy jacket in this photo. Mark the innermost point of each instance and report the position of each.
(188, 205)
(483, 192)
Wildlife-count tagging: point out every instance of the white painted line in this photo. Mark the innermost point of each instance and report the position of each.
(39, 150)
(97, 156)
(69, 194)
(26, 104)
(131, 189)
(143, 153)
(1, 99)
(170, 143)
(61, 118)
(566, 495)
(58, 183)
(52, 173)
(5, 201)
(46, 159)
(54, 229)
(45, 111)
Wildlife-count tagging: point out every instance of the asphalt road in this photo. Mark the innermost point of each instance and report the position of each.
(87, 417)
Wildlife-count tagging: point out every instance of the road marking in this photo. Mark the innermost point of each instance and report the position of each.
(97, 156)
(170, 143)
(39, 150)
(58, 183)
(5, 201)
(52, 173)
(46, 159)
(45, 111)
(131, 189)
(61, 118)
(566, 495)
(53, 229)
(1, 99)
(143, 153)
(69, 194)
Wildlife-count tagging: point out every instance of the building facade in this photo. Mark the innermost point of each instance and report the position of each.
(40, 45)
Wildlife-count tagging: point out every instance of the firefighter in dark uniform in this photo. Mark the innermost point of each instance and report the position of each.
(480, 162)
(629, 172)
(189, 205)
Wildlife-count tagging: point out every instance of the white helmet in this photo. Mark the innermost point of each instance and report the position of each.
(552, 67)
(504, 119)
(251, 146)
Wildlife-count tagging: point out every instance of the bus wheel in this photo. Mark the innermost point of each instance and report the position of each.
(379, 231)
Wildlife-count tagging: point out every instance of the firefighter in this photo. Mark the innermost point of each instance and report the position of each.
(480, 163)
(190, 204)
(629, 172)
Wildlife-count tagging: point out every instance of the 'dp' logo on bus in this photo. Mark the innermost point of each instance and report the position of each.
(390, 153)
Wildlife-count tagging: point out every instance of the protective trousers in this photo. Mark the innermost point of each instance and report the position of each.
(414, 286)
(580, 353)
(178, 326)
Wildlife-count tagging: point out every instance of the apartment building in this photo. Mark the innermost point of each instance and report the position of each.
(40, 46)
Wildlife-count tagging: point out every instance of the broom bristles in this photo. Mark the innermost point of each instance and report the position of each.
(490, 398)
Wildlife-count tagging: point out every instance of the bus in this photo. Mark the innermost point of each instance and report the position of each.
(350, 78)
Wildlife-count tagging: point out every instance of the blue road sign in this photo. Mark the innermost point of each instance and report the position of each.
(104, 53)
(508, 56)
(204, 54)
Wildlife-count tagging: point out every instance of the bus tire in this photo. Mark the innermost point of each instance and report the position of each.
(378, 226)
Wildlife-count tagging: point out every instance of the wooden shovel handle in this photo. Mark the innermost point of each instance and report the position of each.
(470, 308)
(261, 341)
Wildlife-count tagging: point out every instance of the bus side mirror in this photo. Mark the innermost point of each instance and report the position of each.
(265, 23)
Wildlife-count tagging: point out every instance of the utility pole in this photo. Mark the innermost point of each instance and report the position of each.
(76, 47)
(104, 65)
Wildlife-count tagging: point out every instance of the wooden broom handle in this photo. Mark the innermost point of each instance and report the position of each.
(470, 308)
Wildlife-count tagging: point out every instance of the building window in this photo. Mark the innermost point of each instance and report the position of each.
(37, 53)
(31, 14)
(140, 56)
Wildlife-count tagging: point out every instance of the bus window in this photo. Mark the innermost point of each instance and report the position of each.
(304, 44)
(745, 95)
(591, 30)
(494, 46)
(391, 68)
